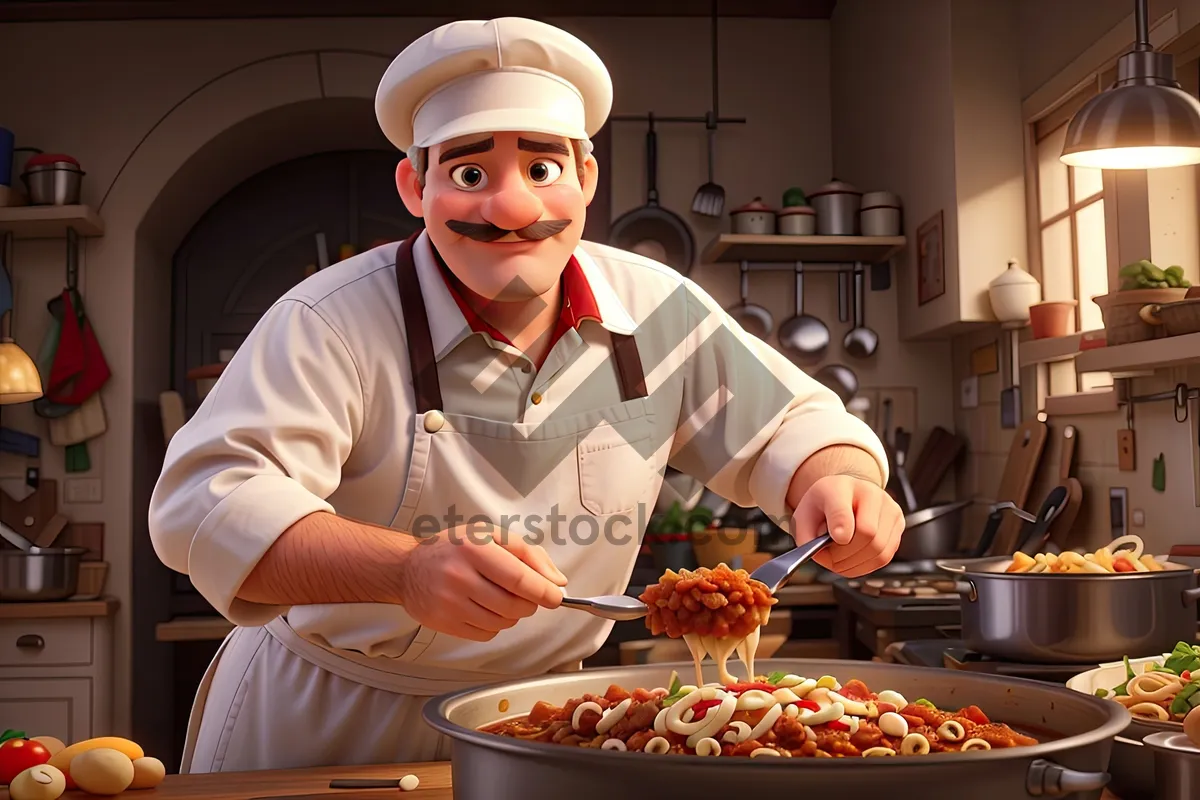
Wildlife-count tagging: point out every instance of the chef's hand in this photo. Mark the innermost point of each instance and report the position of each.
(473, 584)
(863, 520)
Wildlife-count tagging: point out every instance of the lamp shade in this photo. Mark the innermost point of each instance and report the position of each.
(1135, 127)
(19, 379)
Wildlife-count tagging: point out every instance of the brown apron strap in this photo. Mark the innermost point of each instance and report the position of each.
(629, 366)
(427, 392)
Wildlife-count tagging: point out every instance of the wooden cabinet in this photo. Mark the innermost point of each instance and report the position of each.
(56, 671)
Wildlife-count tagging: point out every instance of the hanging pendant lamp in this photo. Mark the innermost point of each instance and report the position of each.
(1145, 121)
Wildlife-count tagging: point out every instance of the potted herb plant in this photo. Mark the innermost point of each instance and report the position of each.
(669, 536)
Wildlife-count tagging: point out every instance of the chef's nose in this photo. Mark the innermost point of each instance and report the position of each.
(512, 208)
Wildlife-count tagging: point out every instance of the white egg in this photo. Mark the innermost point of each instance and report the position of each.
(409, 783)
(1191, 726)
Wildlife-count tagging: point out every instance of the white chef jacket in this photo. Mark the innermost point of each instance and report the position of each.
(315, 413)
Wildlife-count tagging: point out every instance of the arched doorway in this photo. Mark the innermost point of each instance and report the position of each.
(263, 237)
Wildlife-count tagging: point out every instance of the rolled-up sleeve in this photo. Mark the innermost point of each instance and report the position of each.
(264, 450)
(750, 417)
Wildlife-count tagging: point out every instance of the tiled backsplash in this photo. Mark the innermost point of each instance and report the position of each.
(1170, 517)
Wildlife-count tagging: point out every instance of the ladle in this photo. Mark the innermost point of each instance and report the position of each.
(803, 336)
(751, 316)
(861, 341)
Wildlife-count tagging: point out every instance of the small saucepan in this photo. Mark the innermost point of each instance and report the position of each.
(752, 317)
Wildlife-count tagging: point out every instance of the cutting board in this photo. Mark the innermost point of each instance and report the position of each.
(1060, 528)
(1024, 456)
(34, 514)
(89, 535)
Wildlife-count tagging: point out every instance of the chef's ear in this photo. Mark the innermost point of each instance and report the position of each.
(591, 178)
(410, 186)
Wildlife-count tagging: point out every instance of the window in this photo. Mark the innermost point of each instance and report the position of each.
(1070, 238)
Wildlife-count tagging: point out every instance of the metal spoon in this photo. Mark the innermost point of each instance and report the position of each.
(16, 539)
(775, 573)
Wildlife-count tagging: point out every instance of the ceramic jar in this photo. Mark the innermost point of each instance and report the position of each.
(880, 214)
(756, 217)
(1012, 292)
(798, 221)
(837, 205)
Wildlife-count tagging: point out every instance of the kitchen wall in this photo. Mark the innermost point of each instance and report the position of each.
(134, 101)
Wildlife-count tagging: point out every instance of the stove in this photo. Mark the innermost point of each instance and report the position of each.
(881, 610)
(953, 654)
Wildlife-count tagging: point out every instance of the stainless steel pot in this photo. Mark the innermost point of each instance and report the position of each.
(1071, 761)
(1176, 766)
(1063, 618)
(837, 205)
(57, 184)
(932, 533)
(43, 574)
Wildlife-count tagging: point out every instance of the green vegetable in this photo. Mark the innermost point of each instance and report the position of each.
(794, 197)
(1181, 705)
(1101, 693)
(776, 677)
(1122, 690)
(1131, 270)
(1184, 657)
(1175, 270)
(1154, 273)
(673, 687)
(1143, 282)
(9, 733)
(1172, 280)
(926, 703)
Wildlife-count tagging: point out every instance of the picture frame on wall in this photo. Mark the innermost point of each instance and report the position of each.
(931, 260)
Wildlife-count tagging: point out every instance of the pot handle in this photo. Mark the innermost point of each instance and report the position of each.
(967, 589)
(1190, 596)
(1047, 779)
(1150, 315)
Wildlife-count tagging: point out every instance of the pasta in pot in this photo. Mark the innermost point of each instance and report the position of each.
(1105, 561)
(716, 612)
(777, 716)
(1166, 691)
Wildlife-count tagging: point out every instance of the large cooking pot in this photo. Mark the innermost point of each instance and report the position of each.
(1076, 733)
(932, 533)
(1073, 618)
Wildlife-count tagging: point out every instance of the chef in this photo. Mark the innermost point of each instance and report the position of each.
(417, 451)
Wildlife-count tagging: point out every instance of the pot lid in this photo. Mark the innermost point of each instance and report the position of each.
(1173, 742)
(805, 210)
(1013, 276)
(835, 187)
(756, 204)
(880, 200)
(45, 159)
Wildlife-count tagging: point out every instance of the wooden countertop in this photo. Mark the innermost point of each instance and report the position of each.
(434, 777)
(101, 607)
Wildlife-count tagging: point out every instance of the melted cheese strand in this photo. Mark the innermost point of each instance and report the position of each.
(720, 648)
(696, 645)
(746, 650)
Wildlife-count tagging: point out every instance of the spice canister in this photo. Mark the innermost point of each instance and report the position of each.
(837, 205)
(756, 217)
(1012, 292)
(797, 221)
(880, 214)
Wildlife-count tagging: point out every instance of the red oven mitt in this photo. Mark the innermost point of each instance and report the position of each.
(79, 369)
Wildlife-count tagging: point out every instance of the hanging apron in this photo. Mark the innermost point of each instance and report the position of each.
(598, 493)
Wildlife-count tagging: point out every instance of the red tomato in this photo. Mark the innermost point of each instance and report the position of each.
(1123, 565)
(18, 755)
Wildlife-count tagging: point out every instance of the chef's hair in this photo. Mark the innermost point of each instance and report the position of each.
(419, 156)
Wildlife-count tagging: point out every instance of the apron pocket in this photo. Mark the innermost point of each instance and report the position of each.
(614, 475)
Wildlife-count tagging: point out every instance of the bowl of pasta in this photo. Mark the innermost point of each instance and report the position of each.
(1075, 607)
(1160, 692)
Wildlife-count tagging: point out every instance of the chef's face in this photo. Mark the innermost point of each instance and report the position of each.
(504, 210)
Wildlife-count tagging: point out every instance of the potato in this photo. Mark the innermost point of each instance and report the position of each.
(55, 746)
(131, 750)
(103, 771)
(147, 773)
(1191, 726)
(42, 782)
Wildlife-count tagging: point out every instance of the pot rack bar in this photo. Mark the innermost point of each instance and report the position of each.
(1180, 395)
(645, 119)
(808, 266)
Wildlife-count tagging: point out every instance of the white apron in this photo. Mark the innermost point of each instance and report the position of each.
(272, 699)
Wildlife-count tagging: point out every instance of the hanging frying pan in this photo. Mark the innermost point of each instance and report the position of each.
(636, 230)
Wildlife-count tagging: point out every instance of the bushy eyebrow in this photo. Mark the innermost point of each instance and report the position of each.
(531, 146)
(462, 151)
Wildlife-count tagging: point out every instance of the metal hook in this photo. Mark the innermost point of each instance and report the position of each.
(1181, 402)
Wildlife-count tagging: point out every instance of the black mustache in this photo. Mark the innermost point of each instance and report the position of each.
(487, 232)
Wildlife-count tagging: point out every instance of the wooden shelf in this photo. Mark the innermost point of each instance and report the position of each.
(1048, 351)
(50, 222)
(1098, 401)
(66, 609)
(193, 629)
(1141, 357)
(737, 247)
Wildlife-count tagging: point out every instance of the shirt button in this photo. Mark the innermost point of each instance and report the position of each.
(536, 398)
(434, 421)
(528, 368)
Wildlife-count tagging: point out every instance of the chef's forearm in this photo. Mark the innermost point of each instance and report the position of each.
(324, 558)
(838, 459)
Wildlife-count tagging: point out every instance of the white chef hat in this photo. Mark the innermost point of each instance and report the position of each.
(508, 74)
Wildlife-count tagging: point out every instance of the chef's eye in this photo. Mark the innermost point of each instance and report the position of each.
(544, 172)
(469, 177)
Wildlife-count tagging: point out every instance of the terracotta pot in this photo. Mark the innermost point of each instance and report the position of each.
(1051, 318)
